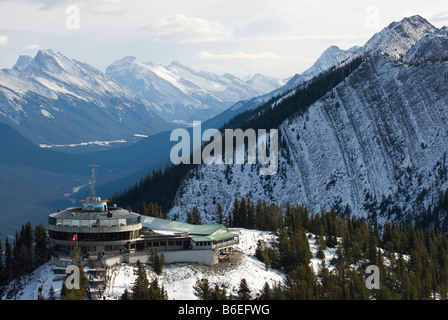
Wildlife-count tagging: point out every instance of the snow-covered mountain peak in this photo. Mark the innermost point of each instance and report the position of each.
(51, 61)
(181, 93)
(331, 57)
(22, 62)
(267, 83)
(176, 65)
(124, 61)
(398, 37)
(434, 45)
(121, 65)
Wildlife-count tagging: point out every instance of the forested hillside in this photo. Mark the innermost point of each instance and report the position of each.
(413, 262)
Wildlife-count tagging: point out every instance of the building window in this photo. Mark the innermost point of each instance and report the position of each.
(66, 222)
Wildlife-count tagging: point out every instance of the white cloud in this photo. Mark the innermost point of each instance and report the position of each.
(439, 17)
(4, 40)
(32, 46)
(182, 29)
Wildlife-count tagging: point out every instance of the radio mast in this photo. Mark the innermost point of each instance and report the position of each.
(93, 182)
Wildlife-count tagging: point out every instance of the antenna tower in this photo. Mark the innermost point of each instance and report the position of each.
(93, 182)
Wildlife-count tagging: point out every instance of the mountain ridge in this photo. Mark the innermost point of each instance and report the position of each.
(192, 95)
(375, 146)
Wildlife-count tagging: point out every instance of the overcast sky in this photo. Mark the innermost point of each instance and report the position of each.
(277, 38)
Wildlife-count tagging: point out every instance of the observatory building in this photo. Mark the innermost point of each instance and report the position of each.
(121, 235)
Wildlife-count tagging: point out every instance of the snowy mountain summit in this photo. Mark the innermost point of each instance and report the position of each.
(182, 94)
(398, 37)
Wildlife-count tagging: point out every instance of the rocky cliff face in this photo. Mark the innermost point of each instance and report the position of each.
(375, 145)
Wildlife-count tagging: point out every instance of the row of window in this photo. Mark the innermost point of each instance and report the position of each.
(163, 243)
(209, 243)
(90, 223)
(100, 237)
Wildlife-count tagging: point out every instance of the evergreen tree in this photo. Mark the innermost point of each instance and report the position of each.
(260, 215)
(194, 216)
(64, 291)
(240, 213)
(235, 213)
(155, 292)
(190, 217)
(126, 295)
(23, 250)
(356, 285)
(2, 267)
(41, 254)
(278, 293)
(9, 262)
(265, 293)
(301, 284)
(251, 220)
(219, 214)
(140, 289)
(158, 261)
(145, 209)
(320, 250)
(243, 290)
(51, 294)
(201, 289)
(197, 219)
(40, 295)
(219, 292)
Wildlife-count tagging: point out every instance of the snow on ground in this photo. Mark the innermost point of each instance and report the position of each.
(330, 254)
(178, 279)
(43, 277)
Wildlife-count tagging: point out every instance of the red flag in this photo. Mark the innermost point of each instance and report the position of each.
(74, 237)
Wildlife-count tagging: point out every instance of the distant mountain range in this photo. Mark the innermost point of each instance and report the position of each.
(56, 101)
(52, 99)
(180, 94)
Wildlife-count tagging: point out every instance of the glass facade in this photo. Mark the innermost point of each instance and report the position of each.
(93, 222)
(95, 237)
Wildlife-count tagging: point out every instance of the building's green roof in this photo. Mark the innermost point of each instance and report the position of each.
(163, 225)
(214, 237)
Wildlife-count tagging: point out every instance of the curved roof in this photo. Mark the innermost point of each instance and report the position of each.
(79, 213)
(163, 225)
